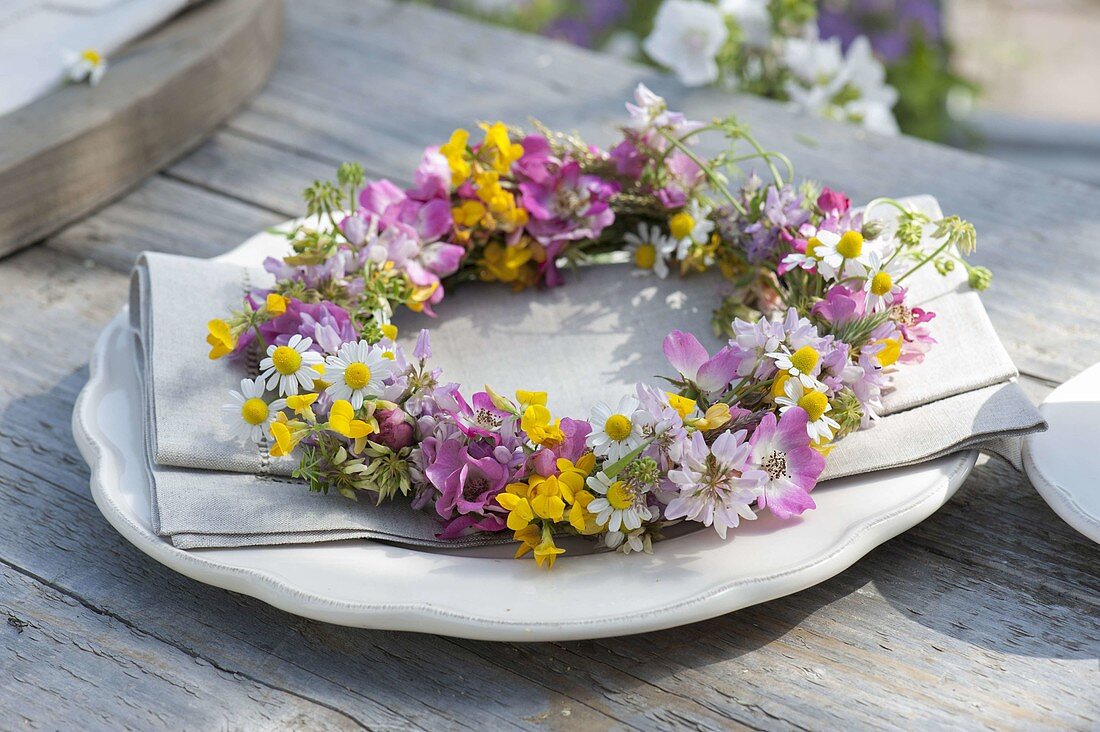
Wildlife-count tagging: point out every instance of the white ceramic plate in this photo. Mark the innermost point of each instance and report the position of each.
(1061, 462)
(485, 594)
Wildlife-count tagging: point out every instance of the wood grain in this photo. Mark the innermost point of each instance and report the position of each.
(985, 615)
(72, 151)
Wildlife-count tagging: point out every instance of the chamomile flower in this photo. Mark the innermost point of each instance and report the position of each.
(803, 364)
(811, 257)
(881, 282)
(357, 371)
(650, 248)
(290, 366)
(690, 227)
(819, 425)
(846, 254)
(249, 415)
(635, 540)
(618, 504)
(88, 65)
(615, 432)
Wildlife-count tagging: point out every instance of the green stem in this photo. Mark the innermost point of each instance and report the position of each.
(923, 262)
(710, 174)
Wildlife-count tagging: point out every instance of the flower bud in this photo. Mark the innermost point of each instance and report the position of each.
(872, 229)
(394, 430)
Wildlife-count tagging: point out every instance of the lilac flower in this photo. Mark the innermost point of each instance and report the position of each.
(715, 485)
(660, 422)
(781, 450)
(423, 348)
(710, 374)
(467, 483)
(782, 214)
(564, 204)
(841, 305)
(651, 113)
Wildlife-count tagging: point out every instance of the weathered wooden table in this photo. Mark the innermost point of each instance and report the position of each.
(987, 614)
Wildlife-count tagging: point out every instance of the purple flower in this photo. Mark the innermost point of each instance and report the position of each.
(564, 204)
(576, 431)
(709, 373)
(423, 348)
(841, 305)
(326, 323)
(781, 216)
(715, 486)
(781, 450)
(467, 484)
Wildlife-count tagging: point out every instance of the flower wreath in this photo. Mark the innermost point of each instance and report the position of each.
(816, 315)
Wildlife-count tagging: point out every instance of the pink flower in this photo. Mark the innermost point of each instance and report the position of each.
(833, 202)
(394, 429)
(781, 450)
(564, 203)
(715, 486)
(841, 305)
(327, 324)
(467, 483)
(709, 373)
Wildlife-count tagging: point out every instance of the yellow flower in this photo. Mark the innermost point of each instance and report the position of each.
(529, 537)
(498, 200)
(514, 500)
(498, 145)
(287, 434)
(681, 404)
(504, 263)
(572, 475)
(341, 419)
(546, 553)
(276, 304)
(536, 422)
(389, 330)
(527, 398)
(468, 213)
(302, 404)
(779, 386)
(548, 501)
(420, 295)
(221, 340)
(580, 518)
(716, 416)
(455, 152)
(890, 352)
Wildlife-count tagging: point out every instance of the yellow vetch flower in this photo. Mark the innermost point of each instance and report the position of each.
(572, 475)
(716, 416)
(548, 502)
(529, 537)
(221, 340)
(302, 403)
(500, 148)
(287, 435)
(890, 353)
(276, 303)
(503, 263)
(514, 500)
(468, 213)
(421, 295)
(580, 518)
(546, 553)
(341, 419)
(681, 404)
(536, 422)
(780, 384)
(455, 152)
(527, 398)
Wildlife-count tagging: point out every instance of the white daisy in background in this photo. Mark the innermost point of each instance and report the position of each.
(634, 540)
(803, 364)
(819, 424)
(690, 226)
(686, 37)
(615, 432)
(290, 366)
(881, 283)
(88, 65)
(618, 504)
(866, 75)
(356, 372)
(753, 18)
(650, 248)
(248, 415)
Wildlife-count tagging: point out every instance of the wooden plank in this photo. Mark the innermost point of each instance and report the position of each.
(989, 611)
(68, 665)
(72, 151)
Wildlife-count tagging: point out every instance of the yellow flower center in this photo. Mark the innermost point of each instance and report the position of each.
(617, 427)
(357, 375)
(254, 411)
(814, 402)
(645, 256)
(92, 56)
(805, 359)
(619, 495)
(881, 284)
(811, 247)
(681, 225)
(851, 244)
(286, 360)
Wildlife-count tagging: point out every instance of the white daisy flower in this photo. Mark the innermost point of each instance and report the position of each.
(634, 540)
(881, 285)
(689, 227)
(88, 65)
(803, 364)
(618, 505)
(650, 248)
(812, 256)
(357, 371)
(290, 366)
(846, 255)
(615, 432)
(686, 37)
(249, 416)
(819, 424)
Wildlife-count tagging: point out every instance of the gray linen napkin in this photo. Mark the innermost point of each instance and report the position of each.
(586, 342)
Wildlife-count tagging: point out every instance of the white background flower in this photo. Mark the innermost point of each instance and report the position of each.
(615, 432)
(752, 18)
(618, 504)
(686, 37)
(88, 65)
(650, 242)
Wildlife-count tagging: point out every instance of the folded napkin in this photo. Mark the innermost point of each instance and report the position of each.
(589, 341)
